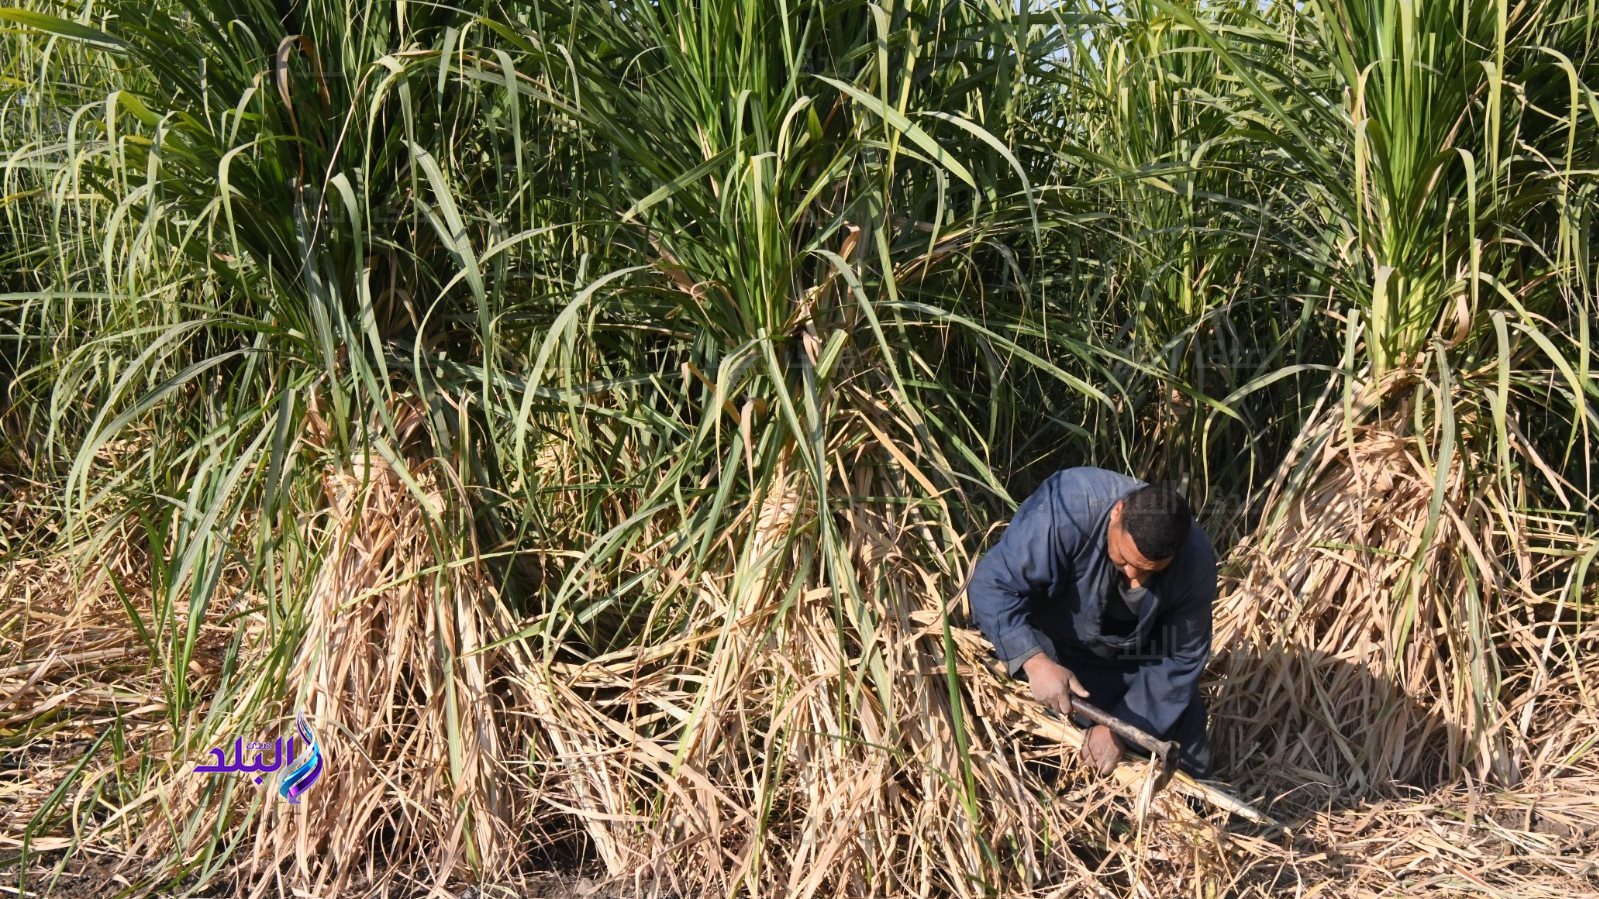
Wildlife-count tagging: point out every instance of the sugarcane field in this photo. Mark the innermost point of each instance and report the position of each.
(551, 449)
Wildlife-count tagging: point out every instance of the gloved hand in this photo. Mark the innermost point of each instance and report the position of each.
(1052, 684)
(1102, 748)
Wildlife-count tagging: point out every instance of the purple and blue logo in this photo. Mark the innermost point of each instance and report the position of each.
(302, 772)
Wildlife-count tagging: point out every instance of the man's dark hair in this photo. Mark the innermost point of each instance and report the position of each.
(1157, 518)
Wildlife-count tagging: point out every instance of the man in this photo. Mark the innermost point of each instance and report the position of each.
(1102, 588)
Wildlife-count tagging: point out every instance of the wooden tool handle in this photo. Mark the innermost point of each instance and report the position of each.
(1163, 750)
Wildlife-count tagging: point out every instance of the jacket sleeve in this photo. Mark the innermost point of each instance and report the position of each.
(1021, 565)
(1162, 689)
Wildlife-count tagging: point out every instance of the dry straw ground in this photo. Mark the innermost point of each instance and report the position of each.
(557, 765)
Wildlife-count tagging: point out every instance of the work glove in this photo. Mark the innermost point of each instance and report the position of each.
(1052, 684)
(1102, 748)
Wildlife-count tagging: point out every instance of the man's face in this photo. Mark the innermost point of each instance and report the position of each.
(1124, 552)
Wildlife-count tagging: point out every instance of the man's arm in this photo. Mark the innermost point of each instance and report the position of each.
(1162, 690)
(1021, 563)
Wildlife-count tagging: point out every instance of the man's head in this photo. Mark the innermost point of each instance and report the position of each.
(1147, 528)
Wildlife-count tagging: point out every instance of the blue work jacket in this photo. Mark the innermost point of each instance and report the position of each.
(1044, 585)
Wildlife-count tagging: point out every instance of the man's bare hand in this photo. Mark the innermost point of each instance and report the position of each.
(1052, 684)
(1102, 748)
